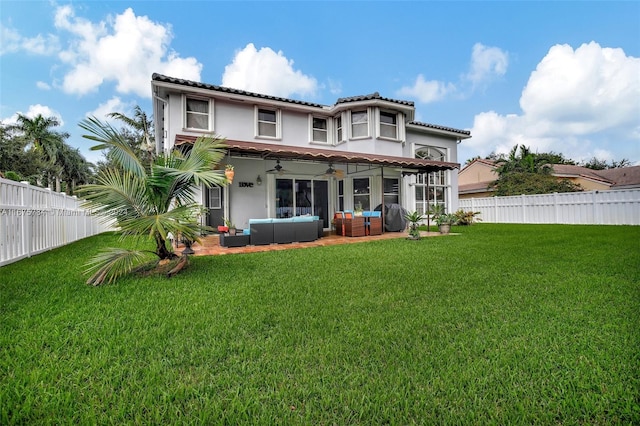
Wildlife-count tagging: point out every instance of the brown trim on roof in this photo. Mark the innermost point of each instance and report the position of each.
(267, 150)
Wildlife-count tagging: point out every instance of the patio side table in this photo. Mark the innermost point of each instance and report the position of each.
(354, 227)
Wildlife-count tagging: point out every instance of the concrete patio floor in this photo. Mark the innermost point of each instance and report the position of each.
(210, 245)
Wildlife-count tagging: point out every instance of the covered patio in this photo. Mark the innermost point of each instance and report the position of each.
(376, 166)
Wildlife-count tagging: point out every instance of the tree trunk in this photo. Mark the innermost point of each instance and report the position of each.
(161, 248)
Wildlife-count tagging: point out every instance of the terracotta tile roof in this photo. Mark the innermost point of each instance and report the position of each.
(188, 83)
(373, 96)
(370, 97)
(444, 128)
(266, 150)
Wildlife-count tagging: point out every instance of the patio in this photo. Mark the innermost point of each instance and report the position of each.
(210, 245)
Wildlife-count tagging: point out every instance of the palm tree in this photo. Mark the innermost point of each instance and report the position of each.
(147, 201)
(45, 141)
(142, 125)
(75, 169)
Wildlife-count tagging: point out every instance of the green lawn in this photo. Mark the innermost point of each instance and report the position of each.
(502, 324)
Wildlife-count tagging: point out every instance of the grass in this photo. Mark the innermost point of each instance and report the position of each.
(502, 324)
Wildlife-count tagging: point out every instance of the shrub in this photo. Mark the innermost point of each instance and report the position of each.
(466, 218)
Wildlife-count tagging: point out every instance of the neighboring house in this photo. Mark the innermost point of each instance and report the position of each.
(475, 179)
(295, 158)
(602, 180)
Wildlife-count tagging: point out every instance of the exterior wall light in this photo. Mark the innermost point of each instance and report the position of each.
(259, 180)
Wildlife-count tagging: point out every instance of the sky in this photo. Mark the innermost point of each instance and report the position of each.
(555, 76)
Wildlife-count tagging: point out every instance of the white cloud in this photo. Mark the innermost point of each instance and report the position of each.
(32, 112)
(427, 91)
(13, 41)
(42, 85)
(125, 49)
(268, 72)
(115, 104)
(335, 86)
(581, 103)
(487, 62)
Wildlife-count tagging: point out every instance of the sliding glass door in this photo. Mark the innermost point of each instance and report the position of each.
(298, 197)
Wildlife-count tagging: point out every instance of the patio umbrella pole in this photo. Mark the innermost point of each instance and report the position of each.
(382, 190)
(428, 208)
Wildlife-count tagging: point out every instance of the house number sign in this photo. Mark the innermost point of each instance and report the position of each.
(245, 184)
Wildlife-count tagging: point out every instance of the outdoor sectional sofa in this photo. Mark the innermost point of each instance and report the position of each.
(285, 230)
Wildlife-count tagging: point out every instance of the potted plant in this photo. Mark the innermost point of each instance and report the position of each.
(229, 172)
(230, 226)
(413, 218)
(444, 222)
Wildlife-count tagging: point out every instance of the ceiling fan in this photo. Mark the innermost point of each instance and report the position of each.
(277, 168)
(331, 171)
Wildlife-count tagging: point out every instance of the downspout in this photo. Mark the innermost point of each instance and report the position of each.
(164, 130)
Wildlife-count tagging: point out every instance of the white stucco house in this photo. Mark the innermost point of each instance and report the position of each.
(296, 158)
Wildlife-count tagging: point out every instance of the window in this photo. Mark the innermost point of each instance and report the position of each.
(391, 191)
(361, 194)
(197, 114)
(339, 129)
(215, 197)
(319, 131)
(359, 124)
(340, 195)
(268, 123)
(431, 188)
(430, 153)
(388, 125)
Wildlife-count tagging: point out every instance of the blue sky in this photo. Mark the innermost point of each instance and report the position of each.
(555, 76)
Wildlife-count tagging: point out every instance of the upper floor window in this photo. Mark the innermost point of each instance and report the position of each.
(431, 153)
(359, 124)
(388, 125)
(319, 130)
(338, 121)
(198, 113)
(267, 123)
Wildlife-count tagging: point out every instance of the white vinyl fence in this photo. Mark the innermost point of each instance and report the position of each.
(618, 207)
(34, 219)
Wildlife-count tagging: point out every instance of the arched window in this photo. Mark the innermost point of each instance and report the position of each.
(431, 188)
(430, 153)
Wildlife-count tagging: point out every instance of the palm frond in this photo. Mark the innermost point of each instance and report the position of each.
(108, 137)
(196, 166)
(117, 195)
(112, 263)
(179, 221)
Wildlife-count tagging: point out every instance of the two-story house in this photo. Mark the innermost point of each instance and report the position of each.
(295, 158)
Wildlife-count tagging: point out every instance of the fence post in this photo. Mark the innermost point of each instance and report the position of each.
(555, 208)
(524, 208)
(26, 224)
